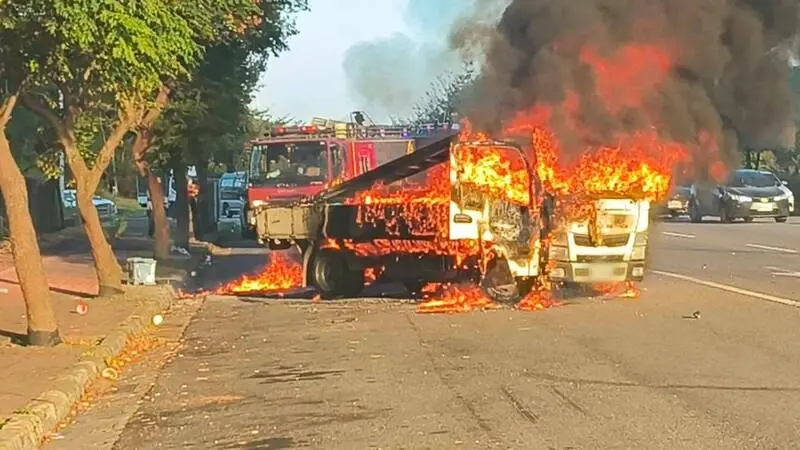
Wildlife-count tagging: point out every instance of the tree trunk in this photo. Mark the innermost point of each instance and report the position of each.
(156, 191)
(42, 325)
(107, 268)
(203, 220)
(161, 224)
(182, 232)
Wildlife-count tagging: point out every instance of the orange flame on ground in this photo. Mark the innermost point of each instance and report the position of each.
(621, 290)
(280, 273)
(456, 299)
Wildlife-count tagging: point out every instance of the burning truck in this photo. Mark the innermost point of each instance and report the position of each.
(488, 211)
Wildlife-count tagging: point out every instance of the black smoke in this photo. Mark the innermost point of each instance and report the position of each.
(730, 77)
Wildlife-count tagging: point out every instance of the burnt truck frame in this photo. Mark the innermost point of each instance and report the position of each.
(506, 272)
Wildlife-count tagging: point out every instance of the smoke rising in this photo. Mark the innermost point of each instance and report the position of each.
(391, 74)
(714, 67)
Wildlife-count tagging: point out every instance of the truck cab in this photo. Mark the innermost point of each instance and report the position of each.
(609, 245)
(495, 200)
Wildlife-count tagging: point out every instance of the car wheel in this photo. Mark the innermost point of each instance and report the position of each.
(694, 212)
(781, 219)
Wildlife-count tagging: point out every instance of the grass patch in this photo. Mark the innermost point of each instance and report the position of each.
(129, 207)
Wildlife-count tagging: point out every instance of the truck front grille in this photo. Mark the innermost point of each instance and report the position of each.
(610, 240)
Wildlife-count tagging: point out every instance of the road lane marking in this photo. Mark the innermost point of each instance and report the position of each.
(780, 272)
(775, 249)
(680, 235)
(734, 289)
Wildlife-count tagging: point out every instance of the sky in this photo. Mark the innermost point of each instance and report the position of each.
(379, 56)
(309, 79)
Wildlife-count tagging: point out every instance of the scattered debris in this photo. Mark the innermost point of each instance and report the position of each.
(110, 373)
(82, 308)
(694, 316)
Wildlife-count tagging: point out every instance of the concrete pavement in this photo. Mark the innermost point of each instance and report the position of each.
(597, 373)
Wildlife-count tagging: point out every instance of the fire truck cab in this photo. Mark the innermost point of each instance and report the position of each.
(293, 163)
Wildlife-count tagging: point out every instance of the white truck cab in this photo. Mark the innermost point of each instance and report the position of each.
(610, 246)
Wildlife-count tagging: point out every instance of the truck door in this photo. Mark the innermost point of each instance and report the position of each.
(364, 156)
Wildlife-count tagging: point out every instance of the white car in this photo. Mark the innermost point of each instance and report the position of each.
(106, 208)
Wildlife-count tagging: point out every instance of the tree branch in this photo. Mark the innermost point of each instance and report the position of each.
(45, 112)
(130, 115)
(5, 110)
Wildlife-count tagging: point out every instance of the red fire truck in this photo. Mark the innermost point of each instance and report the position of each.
(293, 163)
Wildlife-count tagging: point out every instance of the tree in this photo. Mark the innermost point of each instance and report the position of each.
(442, 99)
(15, 60)
(104, 66)
(207, 116)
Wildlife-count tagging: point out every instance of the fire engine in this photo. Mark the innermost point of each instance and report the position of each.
(295, 162)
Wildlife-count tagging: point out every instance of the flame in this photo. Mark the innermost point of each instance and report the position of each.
(455, 299)
(280, 273)
(622, 290)
(537, 300)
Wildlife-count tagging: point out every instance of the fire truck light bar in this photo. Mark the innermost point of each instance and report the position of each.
(307, 129)
(375, 131)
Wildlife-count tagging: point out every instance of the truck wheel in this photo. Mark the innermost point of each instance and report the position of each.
(525, 285)
(414, 287)
(332, 276)
(499, 284)
(781, 219)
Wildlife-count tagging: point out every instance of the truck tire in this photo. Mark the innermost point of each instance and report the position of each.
(414, 286)
(332, 277)
(499, 284)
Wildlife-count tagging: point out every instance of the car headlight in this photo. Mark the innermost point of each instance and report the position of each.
(257, 203)
(638, 253)
(640, 239)
(740, 198)
(789, 197)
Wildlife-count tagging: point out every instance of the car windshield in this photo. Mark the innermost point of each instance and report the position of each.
(753, 179)
(234, 182)
(289, 162)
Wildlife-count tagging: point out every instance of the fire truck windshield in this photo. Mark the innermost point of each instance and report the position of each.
(298, 163)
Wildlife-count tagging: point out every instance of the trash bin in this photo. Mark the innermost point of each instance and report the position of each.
(142, 271)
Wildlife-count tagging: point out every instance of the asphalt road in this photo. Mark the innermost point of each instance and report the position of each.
(596, 373)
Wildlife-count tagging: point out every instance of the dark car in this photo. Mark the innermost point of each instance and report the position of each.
(747, 194)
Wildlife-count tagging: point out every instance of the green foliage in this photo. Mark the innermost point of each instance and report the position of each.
(208, 118)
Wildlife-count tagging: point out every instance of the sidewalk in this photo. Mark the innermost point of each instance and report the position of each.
(28, 371)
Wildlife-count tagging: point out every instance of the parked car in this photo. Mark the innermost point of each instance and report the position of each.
(678, 201)
(747, 194)
(231, 194)
(106, 209)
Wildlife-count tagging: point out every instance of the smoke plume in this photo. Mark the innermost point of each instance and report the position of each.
(687, 68)
(391, 74)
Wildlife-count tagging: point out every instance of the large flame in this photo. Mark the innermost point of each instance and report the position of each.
(280, 273)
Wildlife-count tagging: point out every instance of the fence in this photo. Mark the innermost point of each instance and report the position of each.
(45, 205)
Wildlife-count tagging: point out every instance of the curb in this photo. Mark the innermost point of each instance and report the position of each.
(26, 429)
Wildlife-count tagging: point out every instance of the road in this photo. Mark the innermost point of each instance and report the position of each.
(596, 373)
